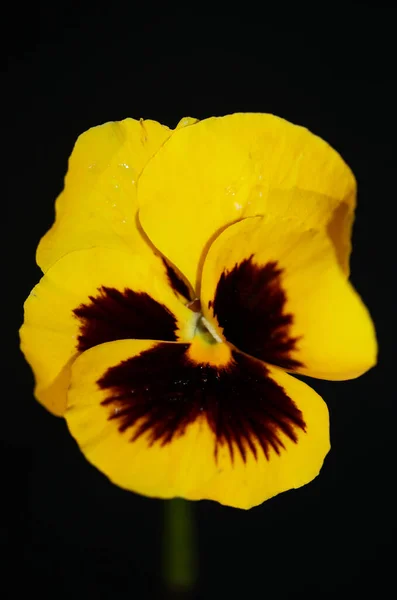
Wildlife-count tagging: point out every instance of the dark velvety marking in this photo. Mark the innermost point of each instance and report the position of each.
(195, 305)
(114, 315)
(177, 282)
(249, 305)
(162, 392)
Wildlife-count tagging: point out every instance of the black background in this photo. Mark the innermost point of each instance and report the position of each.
(68, 531)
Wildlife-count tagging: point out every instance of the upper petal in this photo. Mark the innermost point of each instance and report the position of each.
(276, 291)
(98, 204)
(222, 169)
(160, 421)
(91, 297)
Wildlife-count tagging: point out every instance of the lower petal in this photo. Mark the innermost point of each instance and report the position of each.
(228, 428)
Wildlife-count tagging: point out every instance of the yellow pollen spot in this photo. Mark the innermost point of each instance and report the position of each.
(205, 348)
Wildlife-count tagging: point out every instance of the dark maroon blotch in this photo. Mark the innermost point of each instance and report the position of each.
(114, 315)
(177, 281)
(162, 392)
(249, 305)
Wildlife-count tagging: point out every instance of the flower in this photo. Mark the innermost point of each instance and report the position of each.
(186, 274)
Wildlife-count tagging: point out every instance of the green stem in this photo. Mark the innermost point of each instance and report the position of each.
(179, 551)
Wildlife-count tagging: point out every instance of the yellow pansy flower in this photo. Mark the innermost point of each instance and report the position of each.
(187, 273)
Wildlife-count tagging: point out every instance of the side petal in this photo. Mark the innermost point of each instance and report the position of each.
(276, 292)
(98, 204)
(91, 297)
(157, 422)
(223, 169)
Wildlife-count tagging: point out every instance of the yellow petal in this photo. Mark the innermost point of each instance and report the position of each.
(98, 204)
(276, 291)
(157, 422)
(90, 297)
(222, 169)
(186, 121)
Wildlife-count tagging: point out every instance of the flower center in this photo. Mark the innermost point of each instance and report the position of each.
(202, 327)
(205, 330)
